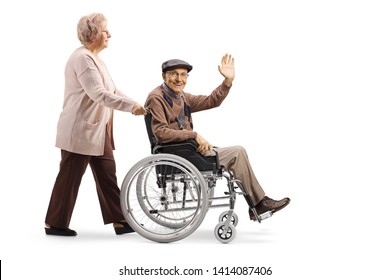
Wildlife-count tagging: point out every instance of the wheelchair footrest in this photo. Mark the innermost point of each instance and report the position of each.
(265, 215)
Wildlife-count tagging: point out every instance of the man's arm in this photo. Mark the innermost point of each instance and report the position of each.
(202, 102)
(218, 95)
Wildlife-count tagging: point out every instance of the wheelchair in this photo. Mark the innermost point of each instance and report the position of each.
(165, 196)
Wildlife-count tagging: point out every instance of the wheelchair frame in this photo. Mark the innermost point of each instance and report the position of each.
(165, 196)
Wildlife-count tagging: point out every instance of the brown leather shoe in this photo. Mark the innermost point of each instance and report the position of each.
(268, 204)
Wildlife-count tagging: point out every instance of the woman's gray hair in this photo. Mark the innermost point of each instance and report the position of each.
(89, 28)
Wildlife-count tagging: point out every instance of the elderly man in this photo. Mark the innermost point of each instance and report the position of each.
(171, 108)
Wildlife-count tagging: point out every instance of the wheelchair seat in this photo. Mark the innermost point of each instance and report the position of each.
(186, 149)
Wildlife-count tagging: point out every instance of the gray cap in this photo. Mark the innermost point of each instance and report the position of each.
(175, 63)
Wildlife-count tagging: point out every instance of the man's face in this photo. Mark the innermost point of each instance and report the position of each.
(176, 79)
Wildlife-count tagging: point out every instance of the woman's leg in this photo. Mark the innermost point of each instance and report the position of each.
(104, 171)
(65, 190)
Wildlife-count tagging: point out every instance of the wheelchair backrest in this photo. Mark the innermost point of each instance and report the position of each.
(148, 123)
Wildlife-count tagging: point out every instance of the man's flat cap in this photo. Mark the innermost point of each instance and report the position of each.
(175, 63)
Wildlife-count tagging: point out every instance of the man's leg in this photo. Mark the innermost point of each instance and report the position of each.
(235, 159)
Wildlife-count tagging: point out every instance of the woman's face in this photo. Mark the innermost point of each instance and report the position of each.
(104, 36)
(101, 41)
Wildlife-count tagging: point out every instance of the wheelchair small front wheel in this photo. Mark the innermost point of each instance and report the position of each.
(225, 234)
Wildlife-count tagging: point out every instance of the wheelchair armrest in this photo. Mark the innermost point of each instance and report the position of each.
(191, 145)
(187, 150)
(217, 157)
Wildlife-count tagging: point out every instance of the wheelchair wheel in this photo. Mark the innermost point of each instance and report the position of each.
(164, 198)
(223, 235)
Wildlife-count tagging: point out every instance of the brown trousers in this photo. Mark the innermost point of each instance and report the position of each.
(235, 159)
(66, 187)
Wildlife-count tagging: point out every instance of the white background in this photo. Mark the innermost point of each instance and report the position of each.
(309, 103)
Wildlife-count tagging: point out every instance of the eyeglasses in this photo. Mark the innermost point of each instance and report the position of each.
(175, 75)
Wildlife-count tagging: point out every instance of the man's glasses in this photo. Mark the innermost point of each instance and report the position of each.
(175, 75)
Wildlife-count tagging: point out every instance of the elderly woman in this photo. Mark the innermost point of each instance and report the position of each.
(85, 131)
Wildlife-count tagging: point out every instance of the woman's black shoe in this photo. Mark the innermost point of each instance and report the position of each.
(122, 230)
(60, 231)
